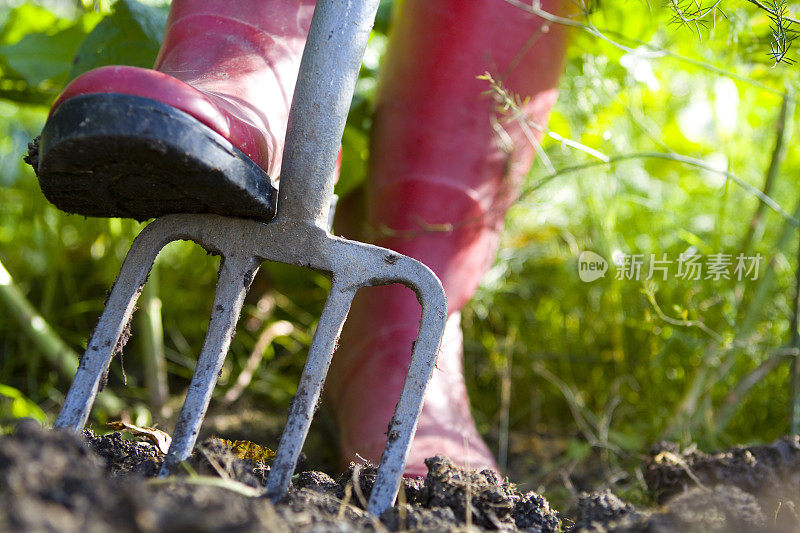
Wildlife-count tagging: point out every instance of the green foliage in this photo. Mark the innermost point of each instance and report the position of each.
(41, 56)
(783, 34)
(14, 405)
(621, 364)
(27, 19)
(37, 50)
(131, 35)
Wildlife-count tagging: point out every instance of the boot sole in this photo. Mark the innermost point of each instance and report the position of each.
(117, 155)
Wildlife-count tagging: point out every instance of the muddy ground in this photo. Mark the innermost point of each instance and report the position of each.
(54, 481)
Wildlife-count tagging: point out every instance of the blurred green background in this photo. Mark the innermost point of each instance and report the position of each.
(673, 134)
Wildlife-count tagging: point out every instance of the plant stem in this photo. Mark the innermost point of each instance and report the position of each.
(63, 358)
(281, 328)
(705, 374)
(505, 400)
(794, 416)
(152, 331)
(766, 8)
(782, 137)
(55, 350)
(732, 400)
(699, 163)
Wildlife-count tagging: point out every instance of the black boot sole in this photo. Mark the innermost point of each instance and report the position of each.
(116, 155)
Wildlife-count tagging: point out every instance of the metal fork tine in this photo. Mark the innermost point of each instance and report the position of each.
(234, 281)
(105, 338)
(408, 409)
(308, 391)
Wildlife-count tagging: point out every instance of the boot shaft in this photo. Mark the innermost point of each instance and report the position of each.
(446, 164)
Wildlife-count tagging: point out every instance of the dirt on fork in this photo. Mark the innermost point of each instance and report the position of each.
(56, 481)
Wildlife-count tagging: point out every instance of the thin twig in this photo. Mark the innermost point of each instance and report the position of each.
(345, 502)
(572, 402)
(696, 14)
(210, 481)
(649, 291)
(155, 363)
(766, 8)
(215, 464)
(658, 53)
(505, 400)
(356, 480)
(587, 26)
(782, 137)
(536, 9)
(794, 417)
(733, 399)
(653, 51)
(512, 102)
(281, 328)
(699, 163)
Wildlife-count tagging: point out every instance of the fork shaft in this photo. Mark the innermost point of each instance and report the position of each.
(328, 73)
(305, 401)
(234, 281)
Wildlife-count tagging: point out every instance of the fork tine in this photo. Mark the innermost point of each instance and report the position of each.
(308, 391)
(234, 281)
(423, 360)
(106, 336)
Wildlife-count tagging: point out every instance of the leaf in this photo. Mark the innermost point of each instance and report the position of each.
(355, 152)
(40, 56)
(383, 18)
(156, 436)
(38, 46)
(151, 19)
(131, 35)
(27, 19)
(244, 449)
(578, 450)
(21, 406)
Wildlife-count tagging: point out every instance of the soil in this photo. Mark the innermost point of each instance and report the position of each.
(56, 481)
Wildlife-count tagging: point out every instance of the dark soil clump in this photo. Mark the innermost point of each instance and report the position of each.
(481, 499)
(56, 481)
(721, 510)
(770, 473)
(598, 509)
(53, 480)
(123, 457)
(316, 481)
(449, 496)
(32, 157)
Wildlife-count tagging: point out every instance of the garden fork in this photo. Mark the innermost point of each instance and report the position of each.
(298, 235)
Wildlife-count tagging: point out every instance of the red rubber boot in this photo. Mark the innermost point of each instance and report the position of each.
(441, 180)
(203, 132)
